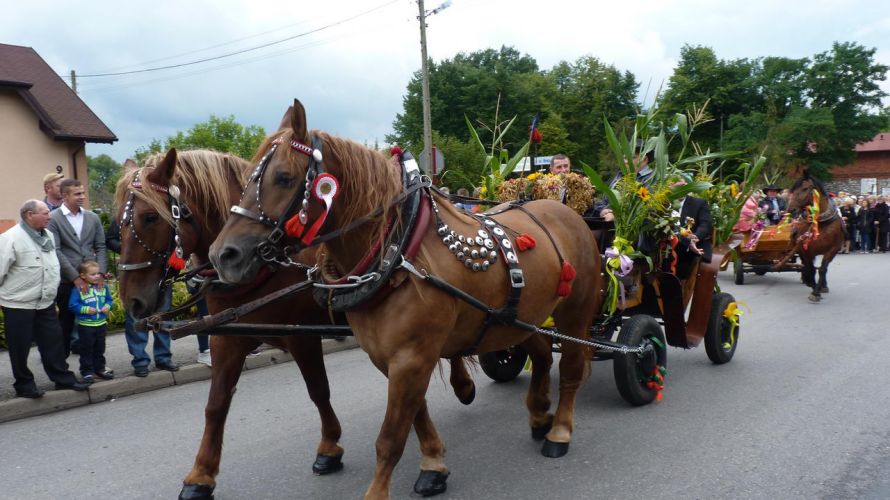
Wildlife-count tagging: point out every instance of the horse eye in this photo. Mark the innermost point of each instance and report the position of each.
(284, 179)
(151, 218)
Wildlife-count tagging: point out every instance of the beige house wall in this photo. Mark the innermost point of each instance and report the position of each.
(27, 154)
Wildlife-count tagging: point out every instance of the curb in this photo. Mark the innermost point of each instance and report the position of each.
(102, 391)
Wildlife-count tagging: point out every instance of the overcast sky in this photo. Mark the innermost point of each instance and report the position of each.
(352, 72)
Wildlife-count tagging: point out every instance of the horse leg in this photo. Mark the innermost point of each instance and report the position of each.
(308, 354)
(538, 400)
(409, 375)
(809, 276)
(573, 366)
(228, 360)
(433, 472)
(461, 381)
(823, 270)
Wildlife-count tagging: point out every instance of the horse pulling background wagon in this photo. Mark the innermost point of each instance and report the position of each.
(761, 250)
(633, 338)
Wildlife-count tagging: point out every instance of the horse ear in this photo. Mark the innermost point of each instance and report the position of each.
(286, 119)
(162, 174)
(298, 122)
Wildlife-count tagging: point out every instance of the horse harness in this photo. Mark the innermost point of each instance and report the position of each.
(372, 279)
(178, 210)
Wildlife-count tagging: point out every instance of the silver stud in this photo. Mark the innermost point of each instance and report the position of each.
(488, 243)
(448, 239)
(468, 263)
(489, 222)
(498, 231)
(460, 255)
(305, 204)
(476, 266)
(453, 248)
(506, 244)
(443, 229)
(480, 240)
(303, 217)
(485, 265)
(474, 254)
(492, 255)
(471, 239)
(511, 257)
(483, 233)
(453, 233)
(460, 238)
(466, 250)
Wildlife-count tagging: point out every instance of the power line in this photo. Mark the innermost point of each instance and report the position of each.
(276, 42)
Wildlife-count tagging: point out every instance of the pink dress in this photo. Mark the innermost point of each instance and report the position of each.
(747, 216)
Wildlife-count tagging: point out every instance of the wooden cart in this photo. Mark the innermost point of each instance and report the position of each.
(760, 258)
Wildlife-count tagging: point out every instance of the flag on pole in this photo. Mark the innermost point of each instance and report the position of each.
(534, 134)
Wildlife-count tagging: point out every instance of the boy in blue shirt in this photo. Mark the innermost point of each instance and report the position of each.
(91, 314)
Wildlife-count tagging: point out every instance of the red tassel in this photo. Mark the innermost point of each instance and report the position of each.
(176, 262)
(565, 280)
(568, 272)
(294, 228)
(396, 151)
(525, 242)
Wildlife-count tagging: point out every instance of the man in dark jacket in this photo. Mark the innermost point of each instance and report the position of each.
(773, 205)
(698, 243)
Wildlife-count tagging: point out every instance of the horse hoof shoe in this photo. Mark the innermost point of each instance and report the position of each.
(539, 433)
(430, 482)
(469, 398)
(326, 464)
(196, 492)
(554, 450)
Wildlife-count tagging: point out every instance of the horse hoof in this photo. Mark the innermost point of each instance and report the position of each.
(554, 450)
(431, 482)
(824, 289)
(196, 492)
(539, 433)
(469, 398)
(327, 464)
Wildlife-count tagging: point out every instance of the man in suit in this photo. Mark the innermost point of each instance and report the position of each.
(698, 243)
(78, 236)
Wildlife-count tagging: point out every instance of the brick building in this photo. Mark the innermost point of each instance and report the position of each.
(869, 172)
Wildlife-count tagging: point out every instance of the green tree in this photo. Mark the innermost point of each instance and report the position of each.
(103, 174)
(701, 77)
(219, 134)
(473, 85)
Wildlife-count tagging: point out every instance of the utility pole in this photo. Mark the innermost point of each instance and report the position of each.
(426, 156)
(73, 81)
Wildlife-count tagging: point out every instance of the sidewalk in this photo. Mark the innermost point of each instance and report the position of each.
(118, 358)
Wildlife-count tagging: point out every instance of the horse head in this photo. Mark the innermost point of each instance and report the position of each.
(159, 207)
(802, 193)
(289, 199)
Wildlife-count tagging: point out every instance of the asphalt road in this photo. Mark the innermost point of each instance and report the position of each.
(801, 412)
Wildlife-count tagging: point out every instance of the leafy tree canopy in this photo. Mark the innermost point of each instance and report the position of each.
(103, 174)
(219, 134)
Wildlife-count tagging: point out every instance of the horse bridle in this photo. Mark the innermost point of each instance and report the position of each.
(269, 249)
(178, 210)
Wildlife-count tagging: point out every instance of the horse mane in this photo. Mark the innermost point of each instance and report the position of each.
(203, 178)
(368, 178)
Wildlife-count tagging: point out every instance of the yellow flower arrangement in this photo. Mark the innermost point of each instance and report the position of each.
(643, 193)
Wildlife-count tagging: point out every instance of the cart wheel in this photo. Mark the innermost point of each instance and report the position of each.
(503, 366)
(633, 372)
(720, 339)
(739, 269)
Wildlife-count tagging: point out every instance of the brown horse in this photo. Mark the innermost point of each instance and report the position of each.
(407, 331)
(209, 183)
(825, 237)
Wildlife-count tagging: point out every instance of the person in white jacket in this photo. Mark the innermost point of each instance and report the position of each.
(29, 279)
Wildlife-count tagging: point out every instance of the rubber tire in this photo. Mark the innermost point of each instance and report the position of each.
(718, 331)
(629, 369)
(503, 366)
(739, 270)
